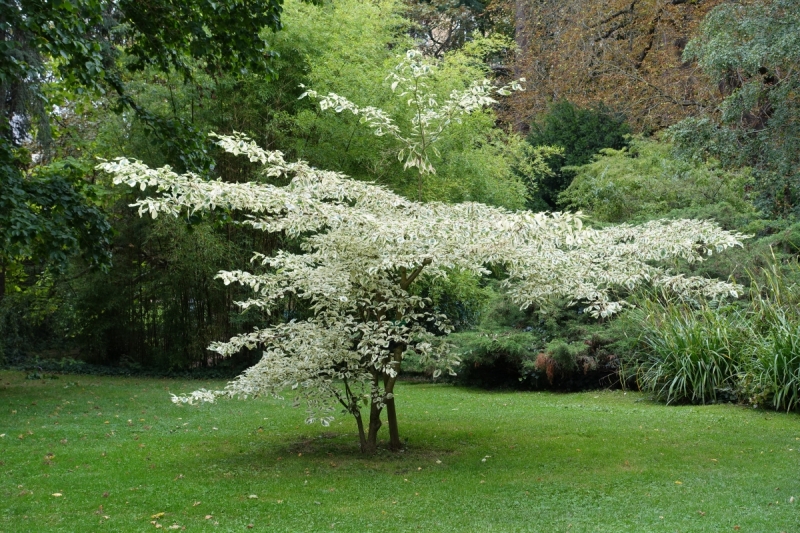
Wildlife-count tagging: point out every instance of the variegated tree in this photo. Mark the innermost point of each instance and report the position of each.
(362, 249)
(431, 115)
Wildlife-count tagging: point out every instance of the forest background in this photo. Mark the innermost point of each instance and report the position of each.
(634, 110)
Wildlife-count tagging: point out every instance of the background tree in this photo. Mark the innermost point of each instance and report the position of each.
(79, 43)
(751, 51)
(626, 53)
(580, 134)
(68, 66)
(446, 26)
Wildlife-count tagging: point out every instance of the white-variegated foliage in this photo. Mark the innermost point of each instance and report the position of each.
(410, 80)
(362, 246)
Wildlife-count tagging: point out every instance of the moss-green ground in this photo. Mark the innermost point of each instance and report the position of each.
(598, 461)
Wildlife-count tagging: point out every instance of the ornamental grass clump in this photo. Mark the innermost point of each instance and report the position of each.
(692, 355)
(703, 353)
(772, 377)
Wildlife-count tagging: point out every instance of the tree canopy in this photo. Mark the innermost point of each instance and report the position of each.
(87, 47)
(751, 51)
(362, 249)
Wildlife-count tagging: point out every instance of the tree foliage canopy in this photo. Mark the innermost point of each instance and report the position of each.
(580, 133)
(752, 50)
(45, 215)
(363, 247)
(87, 47)
(647, 179)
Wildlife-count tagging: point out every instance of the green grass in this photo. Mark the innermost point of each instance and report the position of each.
(601, 461)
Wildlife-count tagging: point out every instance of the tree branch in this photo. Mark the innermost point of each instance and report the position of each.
(405, 283)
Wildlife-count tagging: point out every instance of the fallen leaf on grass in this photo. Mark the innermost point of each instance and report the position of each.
(57, 494)
(679, 483)
(158, 515)
(195, 504)
(209, 517)
(253, 497)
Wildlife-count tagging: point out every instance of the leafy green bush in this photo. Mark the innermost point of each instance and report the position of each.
(581, 133)
(558, 360)
(646, 180)
(496, 359)
(558, 348)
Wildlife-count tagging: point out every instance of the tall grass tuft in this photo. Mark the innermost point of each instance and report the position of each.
(773, 374)
(699, 353)
(690, 353)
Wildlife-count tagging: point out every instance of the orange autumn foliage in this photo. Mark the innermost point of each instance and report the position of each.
(624, 53)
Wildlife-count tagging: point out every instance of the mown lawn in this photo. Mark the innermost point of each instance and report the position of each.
(120, 454)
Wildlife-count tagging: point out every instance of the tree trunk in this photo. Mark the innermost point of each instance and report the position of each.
(362, 437)
(371, 444)
(391, 417)
(2, 279)
(520, 30)
(391, 412)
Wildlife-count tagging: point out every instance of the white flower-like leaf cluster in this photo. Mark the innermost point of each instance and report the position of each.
(410, 80)
(362, 248)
